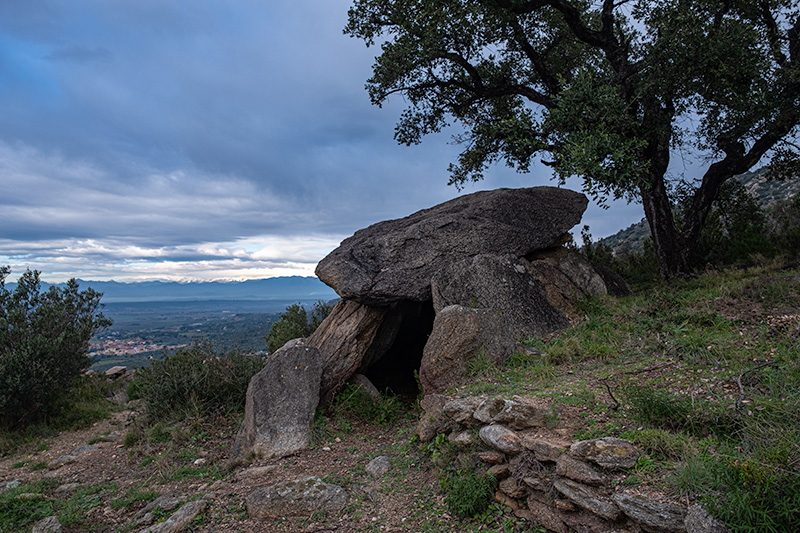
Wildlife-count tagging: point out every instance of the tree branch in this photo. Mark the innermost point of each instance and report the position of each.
(772, 33)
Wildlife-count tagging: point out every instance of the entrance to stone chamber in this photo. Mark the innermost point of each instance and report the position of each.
(399, 346)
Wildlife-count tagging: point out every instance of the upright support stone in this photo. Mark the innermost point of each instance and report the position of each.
(343, 339)
(280, 405)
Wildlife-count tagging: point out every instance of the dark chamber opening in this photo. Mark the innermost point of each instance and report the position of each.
(408, 326)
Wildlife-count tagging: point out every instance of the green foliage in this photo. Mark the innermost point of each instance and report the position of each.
(17, 511)
(468, 493)
(759, 498)
(736, 228)
(354, 401)
(44, 341)
(195, 381)
(295, 323)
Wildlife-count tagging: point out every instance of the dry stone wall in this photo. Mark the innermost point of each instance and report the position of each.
(547, 478)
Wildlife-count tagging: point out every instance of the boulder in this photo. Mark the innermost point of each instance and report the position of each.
(303, 496)
(459, 335)
(343, 339)
(396, 259)
(502, 284)
(280, 403)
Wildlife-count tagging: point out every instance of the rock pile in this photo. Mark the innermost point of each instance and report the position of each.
(561, 485)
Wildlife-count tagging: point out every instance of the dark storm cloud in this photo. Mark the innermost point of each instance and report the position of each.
(230, 135)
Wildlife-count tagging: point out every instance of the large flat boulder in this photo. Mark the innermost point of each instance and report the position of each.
(396, 259)
(280, 404)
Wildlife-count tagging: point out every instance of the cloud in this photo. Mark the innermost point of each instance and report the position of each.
(218, 140)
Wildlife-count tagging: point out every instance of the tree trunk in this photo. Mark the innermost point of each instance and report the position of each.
(668, 243)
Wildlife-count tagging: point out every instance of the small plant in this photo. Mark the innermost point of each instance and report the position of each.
(355, 401)
(468, 493)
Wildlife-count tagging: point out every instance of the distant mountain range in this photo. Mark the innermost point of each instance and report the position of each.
(767, 192)
(294, 288)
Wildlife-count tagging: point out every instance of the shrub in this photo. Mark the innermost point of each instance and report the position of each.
(468, 492)
(195, 380)
(295, 323)
(44, 341)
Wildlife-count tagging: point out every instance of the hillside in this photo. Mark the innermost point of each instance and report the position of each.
(768, 193)
(702, 377)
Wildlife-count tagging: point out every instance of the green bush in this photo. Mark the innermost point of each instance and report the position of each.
(44, 341)
(195, 380)
(468, 492)
(295, 323)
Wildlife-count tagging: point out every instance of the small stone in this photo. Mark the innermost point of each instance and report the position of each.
(199, 462)
(698, 520)
(379, 466)
(462, 438)
(501, 438)
(13, 484)
(47, 525)
(461, 410)
(545, 449)
(535, 483)
(513, 488)
(255, 471)
(565, 505)
(608, 452)
(500, 472)
(585, 497)
(506, 500)
(492, 457)
(67, 487)
(302, 496)
(517, 413)
(654, 516)
(180, 519)
(546, 517)
(83, 448)
(570, 467)
(61, 461)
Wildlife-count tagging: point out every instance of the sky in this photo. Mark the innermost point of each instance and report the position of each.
(204, 140)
